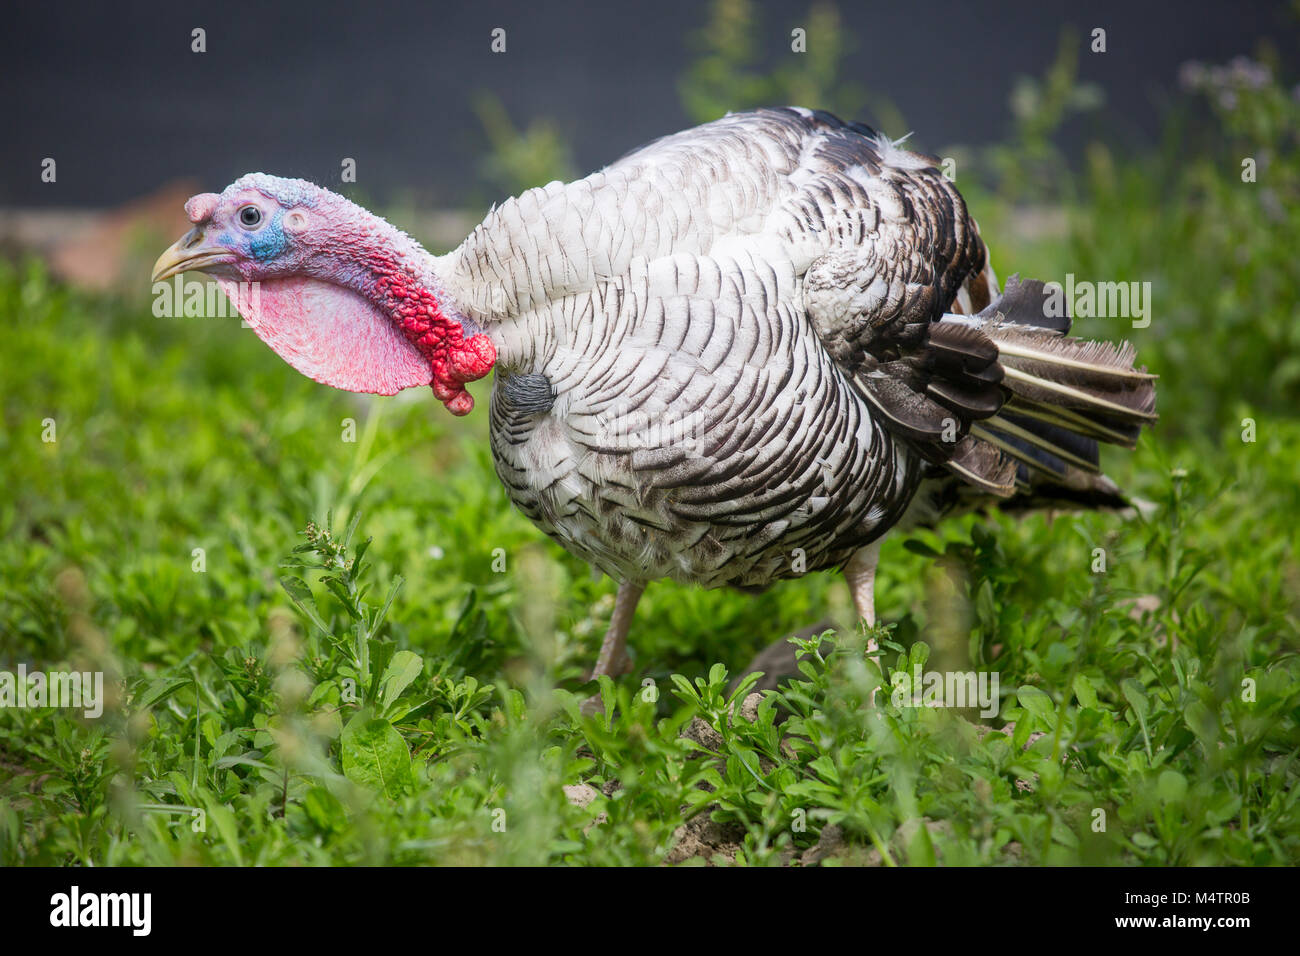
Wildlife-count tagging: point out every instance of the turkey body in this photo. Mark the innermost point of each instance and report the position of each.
(674, 394)
(748, 350)
(708, 439)
(741, 353)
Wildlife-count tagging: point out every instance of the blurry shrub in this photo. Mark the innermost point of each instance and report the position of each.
(731, 71)
(521, 159)
(1029, 166)
(1213, 222)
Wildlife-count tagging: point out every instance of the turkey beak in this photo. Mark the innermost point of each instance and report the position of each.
(189, 253)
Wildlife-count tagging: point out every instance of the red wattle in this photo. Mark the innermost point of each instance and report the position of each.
(454, 359)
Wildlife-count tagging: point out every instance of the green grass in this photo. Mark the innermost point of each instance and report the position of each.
(407, 689)
(445, 731)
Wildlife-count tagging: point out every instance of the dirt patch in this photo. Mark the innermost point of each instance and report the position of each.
(713, 842)
(582, 795)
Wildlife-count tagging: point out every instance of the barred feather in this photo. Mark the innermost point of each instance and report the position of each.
(1061, 395)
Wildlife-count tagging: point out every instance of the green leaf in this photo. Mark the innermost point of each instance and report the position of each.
(159, 691)
(1084, 692)
(684, 689)
(239, 760)
(378, 621)
(921, 548)
(376, 756)
(339, 591)
(1020, 736)
(918, 654)
(380, 653)
(405, 667)
(1171, 787)
(745, 687)
(297, 589)
(717, 675)
(352, 528)
(303, 600)
(222, 744)
(1038, 703)
(1137, 699)
(324, 810)
(986, 606)
(223, 819)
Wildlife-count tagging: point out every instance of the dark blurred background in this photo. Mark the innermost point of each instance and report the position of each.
(1153, 142)
(415, 95)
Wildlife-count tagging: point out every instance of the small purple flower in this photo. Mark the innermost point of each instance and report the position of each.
(1250, 73)
(1191, 75)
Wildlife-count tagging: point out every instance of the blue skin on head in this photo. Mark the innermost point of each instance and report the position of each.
(270, 241)
(264, 245)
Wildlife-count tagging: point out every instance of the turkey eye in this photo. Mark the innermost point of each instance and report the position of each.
(250, 216)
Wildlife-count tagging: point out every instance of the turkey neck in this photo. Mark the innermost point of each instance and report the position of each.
(396, 274)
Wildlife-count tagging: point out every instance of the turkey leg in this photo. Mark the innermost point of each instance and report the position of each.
(860, 572)
(613, 650)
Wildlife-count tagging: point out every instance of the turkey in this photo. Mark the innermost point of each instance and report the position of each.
(740, 353)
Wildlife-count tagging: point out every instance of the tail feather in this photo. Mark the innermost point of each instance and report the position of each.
(1062, 396)
(980, 464)
(1079, 450)
(1024, 302)
(1113, 433)
(1076, 361)
(1045, 448)
(1137, 405)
